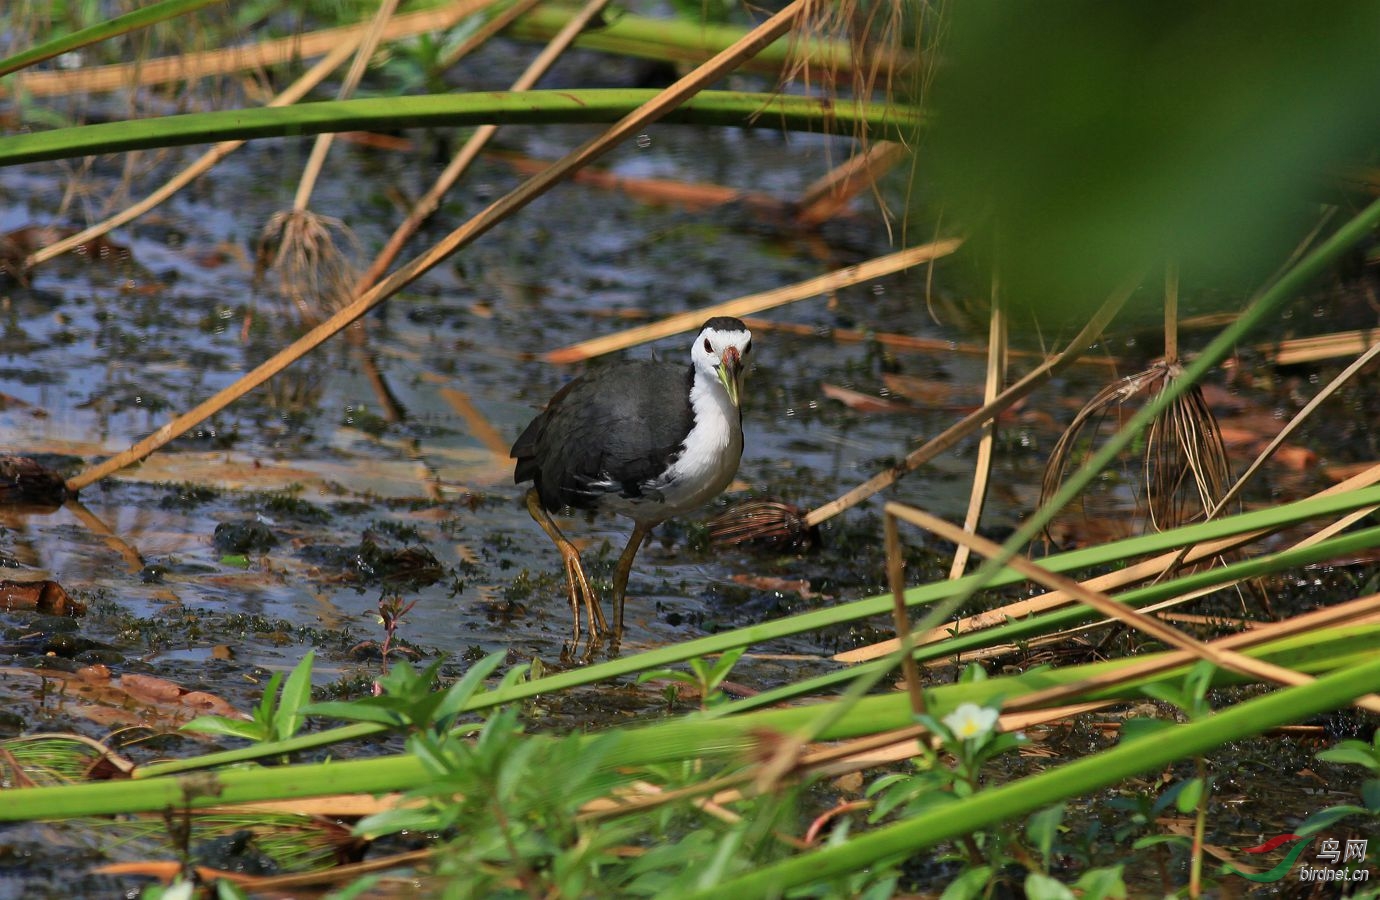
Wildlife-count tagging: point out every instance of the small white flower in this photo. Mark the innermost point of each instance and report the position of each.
(970, 721)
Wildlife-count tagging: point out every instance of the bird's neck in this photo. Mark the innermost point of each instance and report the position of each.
(718, 422)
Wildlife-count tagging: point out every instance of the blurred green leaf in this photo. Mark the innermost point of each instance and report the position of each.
(1084, 141)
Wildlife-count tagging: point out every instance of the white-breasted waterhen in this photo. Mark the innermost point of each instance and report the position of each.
(647, 440)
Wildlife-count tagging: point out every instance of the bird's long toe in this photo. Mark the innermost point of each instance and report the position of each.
(582, 593)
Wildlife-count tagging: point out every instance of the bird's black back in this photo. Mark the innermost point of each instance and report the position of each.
(623, 423)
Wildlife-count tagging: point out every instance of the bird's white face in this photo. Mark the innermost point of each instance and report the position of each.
(722, 355)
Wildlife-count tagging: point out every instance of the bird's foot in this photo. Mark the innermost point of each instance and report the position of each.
(582, 593)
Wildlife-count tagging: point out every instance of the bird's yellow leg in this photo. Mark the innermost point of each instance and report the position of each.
(580, 588)
(620, 575)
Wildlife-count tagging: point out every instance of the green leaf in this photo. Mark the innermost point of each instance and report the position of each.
(669, 675)
(969, 885)
(1151, 840)
(355, 711)
(394, 821)
(265, 710)
(1042, 887)
(237, 560)
(1138, 728)
(1192, 792)
(1370, 794)
(1198, 682)
(1102, 884)
(1326, 818)
(228, 890)
(295, 696)
(1043, 827)
(1357, 754)
(1167, 693)
(740, 109)
(221, 725)
(458, 695)
(724, 665)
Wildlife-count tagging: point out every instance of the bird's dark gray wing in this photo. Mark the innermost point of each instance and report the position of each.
(609, 431)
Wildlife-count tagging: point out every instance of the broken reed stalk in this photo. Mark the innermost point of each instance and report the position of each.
(132, 21)
(1326, 617)
(1149, 625)
(896, 581)
(234, 59)
(907, 343)
(1145, 570)
(789, 524)
(346, 44)
(743, 306)
(982, 468)
(312, 270)
(294, 92)
(1184, 466)
(823, 199)
(322, 145)
(500, 20)
(431, 200)
(1312, 349)
(1293, 425)
(660, 105)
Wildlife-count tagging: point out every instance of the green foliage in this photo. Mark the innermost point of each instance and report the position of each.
(1082, 133)
(716, 12)
(1351, 753)
(408, 700)
(277, 717)
(510, 808)
(1191, 696)
(705, 677)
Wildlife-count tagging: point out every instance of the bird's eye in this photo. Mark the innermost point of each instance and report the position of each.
(708, 347)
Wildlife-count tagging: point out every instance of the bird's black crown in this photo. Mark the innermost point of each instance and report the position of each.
(724, 323)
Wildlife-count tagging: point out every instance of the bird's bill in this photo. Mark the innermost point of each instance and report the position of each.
(731, 373)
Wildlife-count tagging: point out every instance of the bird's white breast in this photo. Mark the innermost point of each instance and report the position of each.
(705, 465)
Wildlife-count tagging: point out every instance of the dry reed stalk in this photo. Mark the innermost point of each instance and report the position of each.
(500, 21)
(896, 580)
(743, 306)
(972, 422)
(1298, 419)
(1224, 658)
(312, 271)
(692, 196)
(1324, 346)
(1293, 425)
(907, 343)
(273, 884)
(235, 59)
(294, 92)
(93, 523)
(1351, 612)
(820, 761)
(664, 102)
(301, 247)
(1185, 464)
(1146, 570)
(982, 467)
(479, 426)
(832, 192)
(431, 200)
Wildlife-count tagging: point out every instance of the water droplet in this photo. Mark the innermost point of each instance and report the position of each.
(644, 140)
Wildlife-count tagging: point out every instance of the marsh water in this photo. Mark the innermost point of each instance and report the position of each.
(277, 526)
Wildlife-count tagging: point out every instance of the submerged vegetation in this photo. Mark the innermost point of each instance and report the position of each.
(1081, 721)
